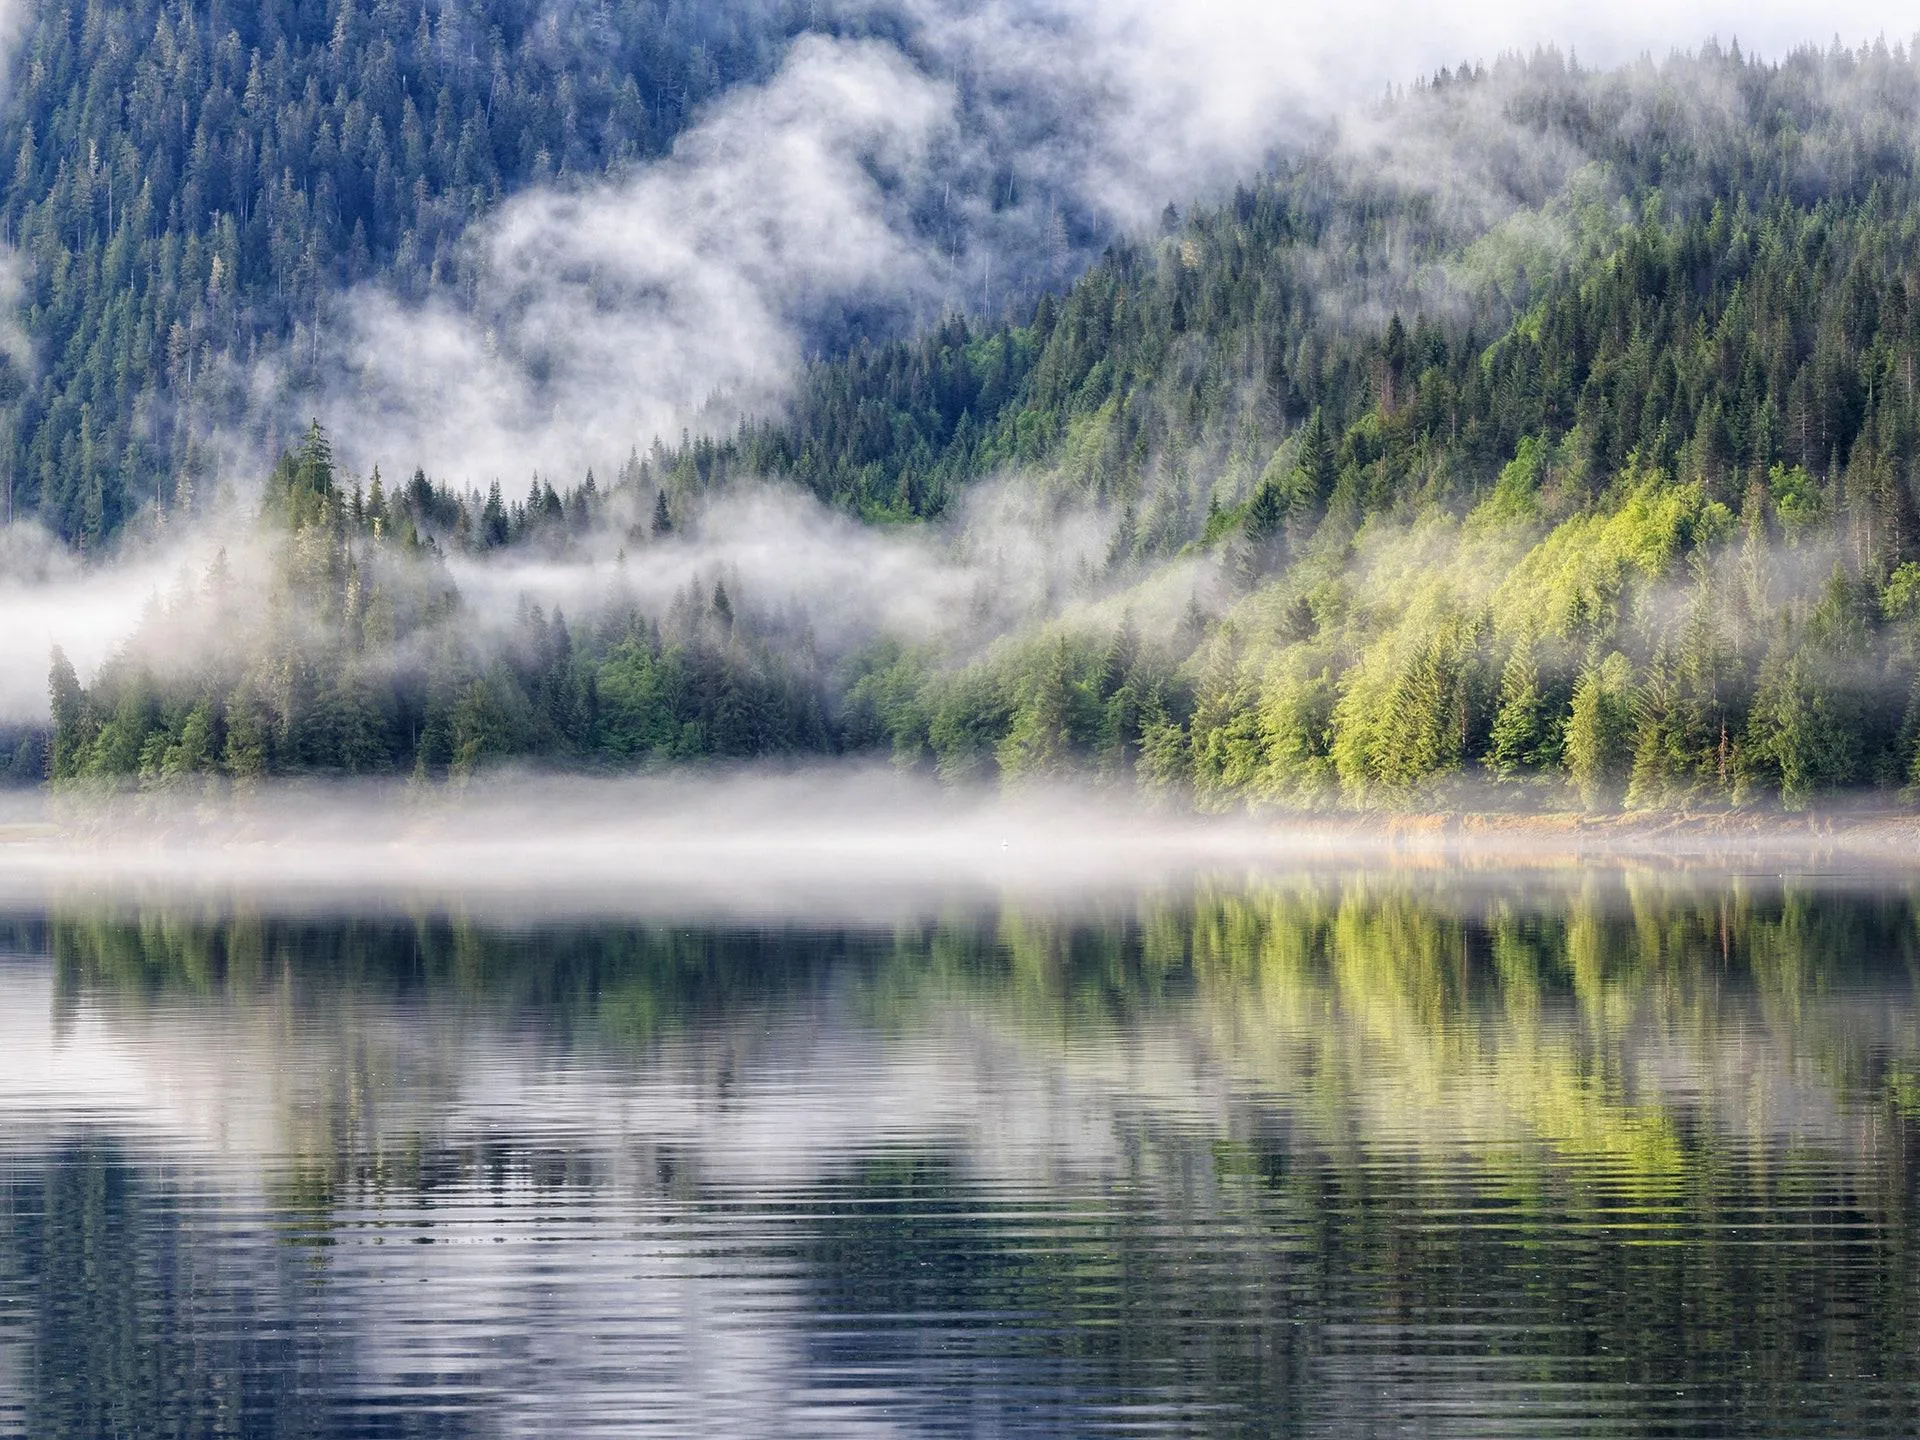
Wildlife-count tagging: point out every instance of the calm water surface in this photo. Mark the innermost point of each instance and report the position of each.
(1371, 1154)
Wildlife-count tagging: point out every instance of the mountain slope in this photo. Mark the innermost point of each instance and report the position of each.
(188, 184)
(1593, 480)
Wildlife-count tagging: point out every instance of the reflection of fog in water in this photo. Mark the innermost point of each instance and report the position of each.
(579, 1239)
(1015, 1186)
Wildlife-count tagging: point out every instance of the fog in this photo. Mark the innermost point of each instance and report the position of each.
(610, 315)
(869, 186)
(827, 841)
(50, 596)
(819, 843)
(1006, 558)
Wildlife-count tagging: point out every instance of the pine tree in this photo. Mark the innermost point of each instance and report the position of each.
(66, 701)
(1519, 740)
(1600, 729)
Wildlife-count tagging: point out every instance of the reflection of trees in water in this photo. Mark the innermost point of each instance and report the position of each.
(1337, 1149)
(149, 1316)
(1595, 1018)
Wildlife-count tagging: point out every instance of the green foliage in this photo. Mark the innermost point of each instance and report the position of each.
(1054, 716)
(1799, 741)
(1599, 729)
(1795, 496)
(1515, 495)
(1295, 713)
(67, 704)
(1225, 740)
(1571, 586)
(1405, 715)
(1523, 738)
(1490, 531)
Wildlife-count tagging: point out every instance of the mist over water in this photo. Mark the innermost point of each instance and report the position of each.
(815, 843)
(835, 841)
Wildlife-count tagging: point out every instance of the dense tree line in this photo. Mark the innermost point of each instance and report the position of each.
(351, 652)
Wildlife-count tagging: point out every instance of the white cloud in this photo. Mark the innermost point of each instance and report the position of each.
(49, 597)
(615, 313)
(892, 183)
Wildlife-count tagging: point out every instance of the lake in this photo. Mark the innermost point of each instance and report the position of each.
(1400, 1150)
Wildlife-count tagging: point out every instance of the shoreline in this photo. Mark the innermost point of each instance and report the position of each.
(1879, 838)
(860, 845)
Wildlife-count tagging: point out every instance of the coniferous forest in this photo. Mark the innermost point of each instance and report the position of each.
(1580, 485)
(189, 183)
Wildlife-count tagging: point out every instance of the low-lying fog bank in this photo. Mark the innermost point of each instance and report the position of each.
(823, 842)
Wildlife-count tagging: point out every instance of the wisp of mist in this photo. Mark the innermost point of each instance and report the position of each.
(823, 843)
(829, 841)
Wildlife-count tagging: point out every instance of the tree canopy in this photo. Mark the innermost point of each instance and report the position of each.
(1616, 501)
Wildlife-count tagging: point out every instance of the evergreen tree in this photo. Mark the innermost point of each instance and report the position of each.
(66, 701)
(1520, 741)
(1599, 729)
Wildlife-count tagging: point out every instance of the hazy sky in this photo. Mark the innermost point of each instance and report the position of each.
(1363, 45)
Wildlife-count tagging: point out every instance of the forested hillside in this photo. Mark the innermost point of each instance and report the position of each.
(188, 182)
(1608, 496)
(1187, 358)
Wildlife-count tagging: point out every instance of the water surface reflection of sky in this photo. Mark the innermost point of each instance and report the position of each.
(1324, 1155)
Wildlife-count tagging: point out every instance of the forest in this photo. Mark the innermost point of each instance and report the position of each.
(1607, 500)
(190, 185)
